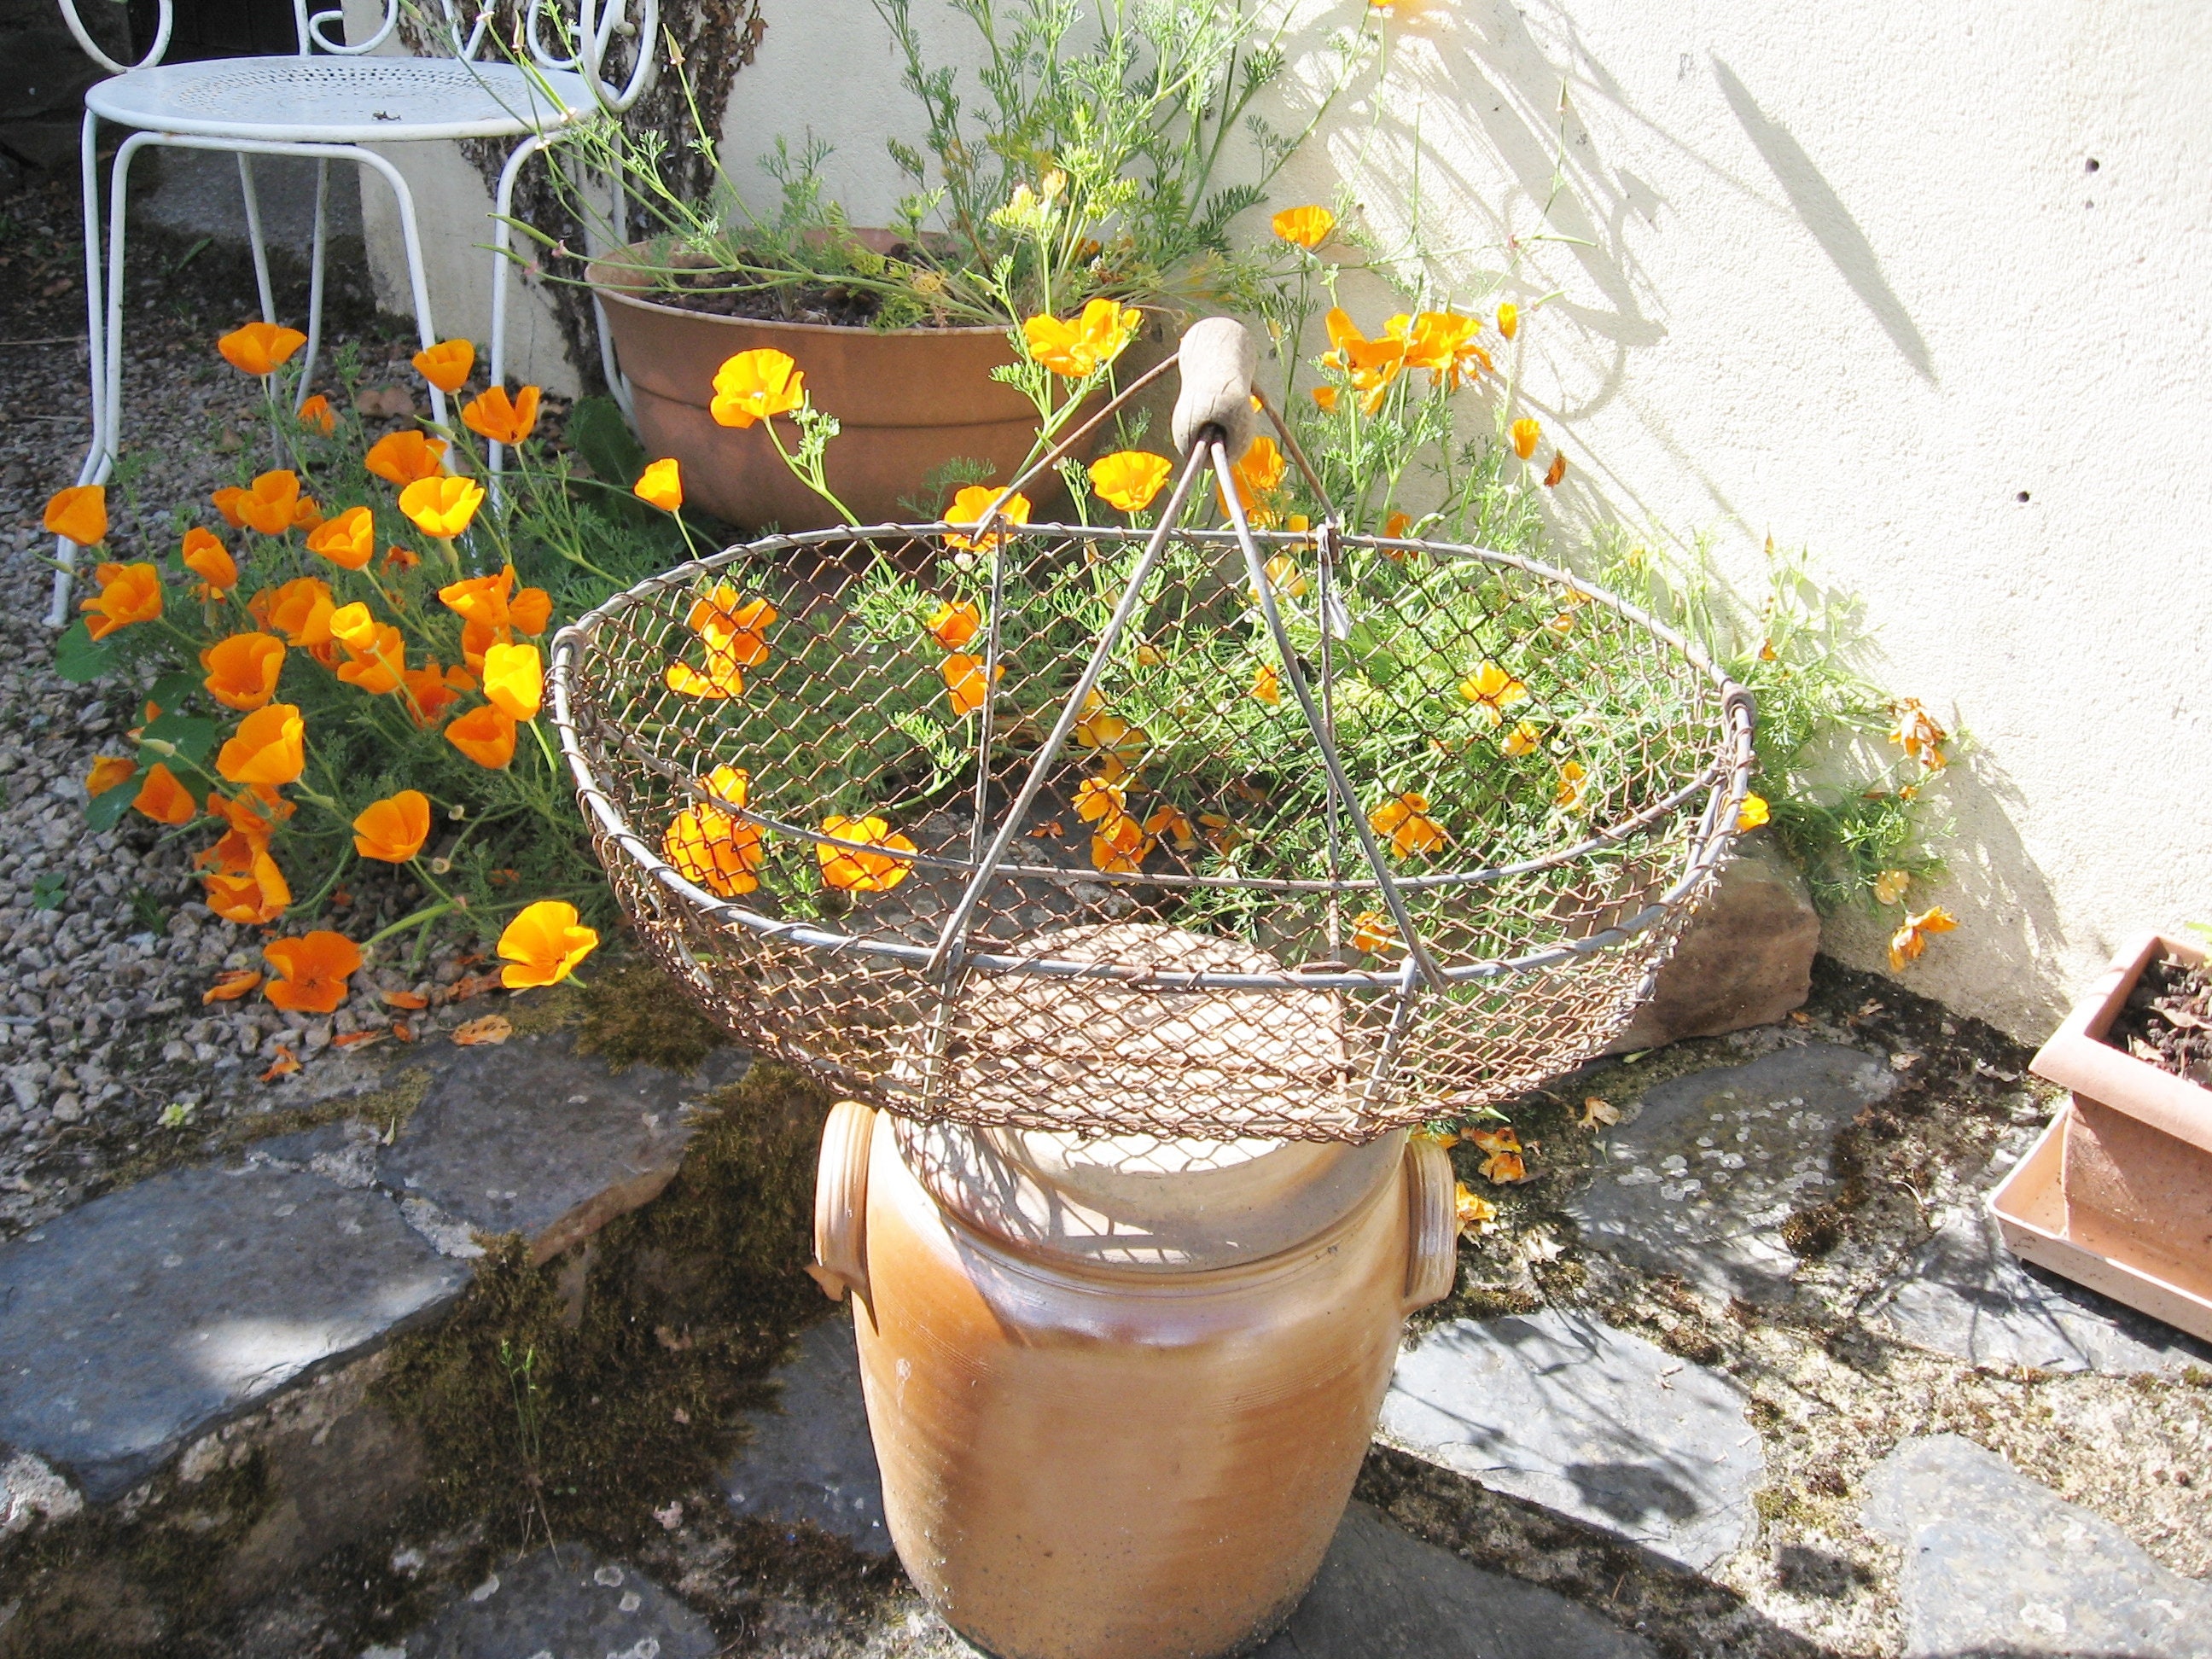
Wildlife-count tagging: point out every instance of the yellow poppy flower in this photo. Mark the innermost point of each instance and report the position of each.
(1129, 479)
(754, 385)
(1525, 432)
(661, 485)
(1492, 691)
(1081, 345)
(514, 678)
(1573, 786)
(1906, 944)
(392, 831)
(348, 541)
(1266, 685)
(1752, 813)
(1304, 226)
(854, 870)
(543, 944)
(1521, 739)
(1118, 845)
(733, 626)
(442, 507)
(259, 349)
(1374, 932)
(1889, 886)
(1405, 819)
(968, 508)
(270, 747)
(1508, 320)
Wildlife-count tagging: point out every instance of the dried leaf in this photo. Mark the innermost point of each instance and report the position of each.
(403, 999)
(475, 984)
(403, 1032)
(349, 1039)
(492, 1028)
(229, 987)
(284, 1065)
(1597, 1111)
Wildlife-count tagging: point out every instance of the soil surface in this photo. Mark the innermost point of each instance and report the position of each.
(2168, 1019)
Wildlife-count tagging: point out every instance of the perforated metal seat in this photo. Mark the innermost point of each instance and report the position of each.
(328, 103)
(343, 100)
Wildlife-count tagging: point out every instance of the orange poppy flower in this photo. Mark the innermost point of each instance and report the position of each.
(301, 611)
(258, 896)
(229, 987)
(480, 598)
(306, 514)
(1324, 398)
(1129, 479)
(1372, 365)
(165, 801)
(312, 971)
(1168, 820)
(1096, 800)
(1082, 345)
(1752, 813)
(392, 831)
(1304, 226)
(401, 558)
(756, 384)
(543, 944)
(353, 627)
(405, 458)
(531, 610)
(1405, 819)
(660, 485)
(1397, 525)
(226, 501)
(348, 541)
(1508, 320)
(446, 364)
(259, 349)
(1118, 845)
(79, 514)
(1906, 944)
(1917, 734)
(1444, 343)
(1267, 685)
(1525, 432)
(442, 507)
(376, 664)
(1259, 474)
(852, 870)
(1573, 786)
(1492, 691)
(1522, 739)
(963, 681)
(711, 849)
(317, 413)
(492, 415)
(969, 507)
(1374, 932)
(515, 679)
(245, 814)
(485, 735)
(109, 772)
(128, 593)
(721, 679)
(210, 559)
(242, 670)
(732, 625)
(1557, 471)
(428, 693)
(954, 623)
(270, 747)
(267, 505)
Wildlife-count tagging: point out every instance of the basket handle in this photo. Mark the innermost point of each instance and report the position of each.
(1217, 360)
(840, 1202)
(1432, 1225)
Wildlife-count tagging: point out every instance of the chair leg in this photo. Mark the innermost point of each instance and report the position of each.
(96, 327)
(253, 236)
(503, 237)
(411, 236)
(314, 284)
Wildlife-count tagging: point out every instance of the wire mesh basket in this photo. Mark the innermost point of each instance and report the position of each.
(1194, 833)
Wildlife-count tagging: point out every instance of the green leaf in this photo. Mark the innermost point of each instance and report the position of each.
(191, 737)
(48, 891)
(78, 658)
(105, 810)
(597, 432)
(170, 691)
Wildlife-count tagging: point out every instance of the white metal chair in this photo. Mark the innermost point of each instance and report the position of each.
(326, 103)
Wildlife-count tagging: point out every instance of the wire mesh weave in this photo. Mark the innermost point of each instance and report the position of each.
(794, 777)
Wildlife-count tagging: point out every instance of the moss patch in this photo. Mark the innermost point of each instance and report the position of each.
(633, 1011)
(579, 1397)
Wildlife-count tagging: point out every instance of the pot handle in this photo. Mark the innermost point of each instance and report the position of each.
(840, 1202)
(1432, 1225)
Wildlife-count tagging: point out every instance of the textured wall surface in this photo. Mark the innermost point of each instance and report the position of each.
(1922, 287)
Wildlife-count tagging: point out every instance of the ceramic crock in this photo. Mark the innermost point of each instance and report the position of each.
(1120, 1388)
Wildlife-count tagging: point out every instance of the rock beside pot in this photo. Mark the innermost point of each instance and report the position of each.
(1745, 958)
(909, 400)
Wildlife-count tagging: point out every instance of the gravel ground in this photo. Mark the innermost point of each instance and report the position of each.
(111, 1063)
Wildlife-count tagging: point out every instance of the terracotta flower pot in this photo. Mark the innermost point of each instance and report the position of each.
(2118, 1192)
(1120, 1389)
(909, 400)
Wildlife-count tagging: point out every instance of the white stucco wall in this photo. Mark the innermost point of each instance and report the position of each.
(1843, 276)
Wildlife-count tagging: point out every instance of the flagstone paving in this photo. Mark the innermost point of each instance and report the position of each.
(1562, 1410)
(1994, 1563)
(560, 1603)
(1701, 1179)
(809, 1458)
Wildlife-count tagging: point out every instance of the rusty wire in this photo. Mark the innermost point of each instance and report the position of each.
(1241, 965)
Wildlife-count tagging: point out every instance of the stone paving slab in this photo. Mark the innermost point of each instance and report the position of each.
(564, 1603)
(1562, 1410)
(142, 1319)
(812, 1458)
(528, 1136)
(1700, 1180)
(1381, 1594)
(1996, 1563)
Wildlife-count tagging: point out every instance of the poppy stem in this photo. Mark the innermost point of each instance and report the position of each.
(421, 918)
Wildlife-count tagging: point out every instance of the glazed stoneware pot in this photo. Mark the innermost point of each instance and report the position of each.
(2118, 1192)
(1120, 1388)
(909, 400)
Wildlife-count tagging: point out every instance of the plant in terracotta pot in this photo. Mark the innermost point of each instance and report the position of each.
(1097, 154)
(2118, 1192)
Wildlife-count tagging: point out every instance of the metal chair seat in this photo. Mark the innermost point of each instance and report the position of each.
(343, 100)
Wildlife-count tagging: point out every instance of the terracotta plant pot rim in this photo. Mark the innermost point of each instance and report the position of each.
(603, 277)
(2077, 1056)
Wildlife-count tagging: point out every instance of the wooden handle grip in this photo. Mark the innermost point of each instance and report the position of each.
(1431, 1224)
(1216, 361)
